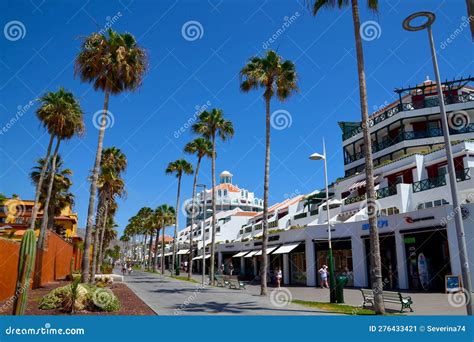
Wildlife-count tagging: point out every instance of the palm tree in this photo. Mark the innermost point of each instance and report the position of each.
(60, 195)
(201, 147)
(179, 167)
(111, 185)
(113, 63)
(212, 125)
(278, 77)
(63, 116)
(375, 260)
(165, 215)
(470, 15)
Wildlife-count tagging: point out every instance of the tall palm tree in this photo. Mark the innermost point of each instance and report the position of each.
(110, 186)
(65, 121)
(201, 147)
(470, 15)
(212, 125)
(278, 77)
(376, 264)
(165, 216)
(61, 197)
(113, 63)
(179, 168)
(49, 113)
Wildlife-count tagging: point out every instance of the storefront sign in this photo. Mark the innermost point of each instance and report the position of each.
(409, 219)
(453, 283)
(409, 240)
(380, 224)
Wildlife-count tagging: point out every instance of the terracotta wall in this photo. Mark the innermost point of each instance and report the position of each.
(9, 251)
(55, 262)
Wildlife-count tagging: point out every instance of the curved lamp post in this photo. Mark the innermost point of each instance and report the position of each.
(466, 275)
(332, 276)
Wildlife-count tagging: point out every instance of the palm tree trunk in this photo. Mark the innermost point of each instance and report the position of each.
(191, 248)
(144, 249)
(176, 227)
(213, 239)
(99, 235)
(376, 265)
(163, 249)
(266, 181)
(44, 222)
(155, 257)
(95, 242)
(101, 241)
(150, 247)
(470, 16)
(39, 186)
(93, 191)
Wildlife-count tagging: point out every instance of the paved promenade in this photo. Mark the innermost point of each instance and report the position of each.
(167, 296)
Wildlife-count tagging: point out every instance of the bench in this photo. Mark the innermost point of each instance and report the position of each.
(234, 282)
(220, 281)
(388, 297)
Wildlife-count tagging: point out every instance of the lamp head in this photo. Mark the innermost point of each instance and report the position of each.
(430, 18)
(316, 156)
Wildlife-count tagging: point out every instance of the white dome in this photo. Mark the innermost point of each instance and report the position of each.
(225, 174)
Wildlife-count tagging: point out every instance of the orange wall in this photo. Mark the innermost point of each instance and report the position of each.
(9, 251)
(55, 262)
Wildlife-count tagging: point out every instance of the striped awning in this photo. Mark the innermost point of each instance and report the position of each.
(360, 184)
(183, 251)
(240, 254)
(286, 248)
(269, 250)
(251, 254)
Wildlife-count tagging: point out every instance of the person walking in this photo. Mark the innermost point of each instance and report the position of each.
(278, 276)
(323, 274)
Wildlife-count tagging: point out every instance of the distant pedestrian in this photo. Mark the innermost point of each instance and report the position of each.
(129, 269)
(278, 276)
(124, 268)
(231, 269)
(323, 274)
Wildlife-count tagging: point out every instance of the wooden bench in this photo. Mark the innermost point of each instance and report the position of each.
(234, 282)
(388, 297)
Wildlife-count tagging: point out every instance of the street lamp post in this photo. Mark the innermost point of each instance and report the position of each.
(466, 274)
(332, 276)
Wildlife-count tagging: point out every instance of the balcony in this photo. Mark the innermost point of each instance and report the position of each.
(379, 194)
(299, 216)
(436, 182)
(407, 135)
(431, 102)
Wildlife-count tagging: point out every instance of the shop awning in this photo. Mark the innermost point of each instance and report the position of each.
(251, 254)
(286, 248)
(199, 257)
(168, 254)
(269, 250)
(360, 184)
(240, 254)
(183, 251)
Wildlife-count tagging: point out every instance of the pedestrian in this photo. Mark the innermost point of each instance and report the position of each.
(124, 268)
(278, 276)
(220, 270)
(129, 269)
(231, 269)
(323, 273)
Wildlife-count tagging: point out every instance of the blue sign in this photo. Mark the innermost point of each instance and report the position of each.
(380, 224)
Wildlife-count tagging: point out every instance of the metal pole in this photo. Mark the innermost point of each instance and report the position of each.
(203, 237)
(332, 278)
(466, 274)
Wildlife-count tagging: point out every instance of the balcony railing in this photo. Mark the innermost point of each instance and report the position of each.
(429, 102)
(429, 183)
(463, 175)
(315, 212)
(407, 135)
(380, 193)
(301, 215)
(273, 224)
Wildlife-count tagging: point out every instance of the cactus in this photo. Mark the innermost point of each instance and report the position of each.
(25, 269)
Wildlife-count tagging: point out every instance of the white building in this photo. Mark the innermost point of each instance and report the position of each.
(417, 233)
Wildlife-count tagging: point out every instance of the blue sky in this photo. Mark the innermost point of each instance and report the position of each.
(185, 74)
